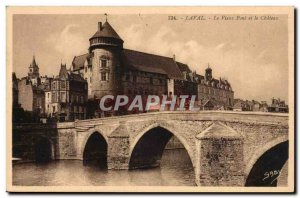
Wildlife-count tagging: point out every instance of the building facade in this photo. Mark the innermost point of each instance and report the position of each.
(66, 97)
(29, 91)
(278, 106)
(110, 69)
(31, 97)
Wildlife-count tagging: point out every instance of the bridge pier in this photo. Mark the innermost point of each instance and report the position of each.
(118, 149)
(219, 160)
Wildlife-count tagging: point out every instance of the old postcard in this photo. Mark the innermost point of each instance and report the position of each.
(150, 99)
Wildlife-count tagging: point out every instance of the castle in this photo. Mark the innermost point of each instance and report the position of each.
(110, 69)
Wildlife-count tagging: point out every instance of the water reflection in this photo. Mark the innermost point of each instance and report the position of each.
(176, 170)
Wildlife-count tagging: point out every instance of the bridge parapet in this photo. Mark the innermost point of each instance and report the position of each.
(257, 117)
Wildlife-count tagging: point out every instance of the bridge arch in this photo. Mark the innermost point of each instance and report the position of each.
(94, 149)
(264, 166)
(159, 134)
(84, 140)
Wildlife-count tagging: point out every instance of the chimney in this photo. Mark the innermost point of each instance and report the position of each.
(174, 57)
(99, 26)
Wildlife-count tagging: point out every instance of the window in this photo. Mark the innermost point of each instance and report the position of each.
(127, 77)
(63, 97)
(103, 76)
(90, 79)
(38, 102)
(63, 84)
(81, 99)
(151, 80)
(53, 97)
(85, 69)
(103, 63)
(48, 95)
(134, 78)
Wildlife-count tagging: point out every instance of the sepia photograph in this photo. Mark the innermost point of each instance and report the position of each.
(150, 99)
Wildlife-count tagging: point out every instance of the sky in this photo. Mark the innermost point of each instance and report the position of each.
(251, 55)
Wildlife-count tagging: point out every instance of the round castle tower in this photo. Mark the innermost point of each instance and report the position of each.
(105, 48)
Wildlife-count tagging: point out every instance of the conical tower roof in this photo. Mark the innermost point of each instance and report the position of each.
(33, 63)
(106, 30)
(63, 73)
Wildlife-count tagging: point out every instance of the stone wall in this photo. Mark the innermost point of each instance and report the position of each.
(223, 156)
(220, 161)
(27, 136)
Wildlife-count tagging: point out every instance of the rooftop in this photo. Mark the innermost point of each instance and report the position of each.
(106, 30)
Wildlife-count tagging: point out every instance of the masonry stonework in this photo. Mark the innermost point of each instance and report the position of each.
(220, 161)
(222, 146)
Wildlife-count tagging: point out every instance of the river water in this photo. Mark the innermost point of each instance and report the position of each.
(175, 170)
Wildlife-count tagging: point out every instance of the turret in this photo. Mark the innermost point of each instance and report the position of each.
(33, 69)
(208, 73)
(105, 48)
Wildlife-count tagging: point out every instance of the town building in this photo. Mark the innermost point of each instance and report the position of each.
(213, 93)
(110, 69)
(264, 106)
(31, 96)
(278, 106)
(66, 97)
(249, 105)
(29, 93)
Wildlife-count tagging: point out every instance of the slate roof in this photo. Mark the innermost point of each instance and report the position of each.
(142, 61)
(76, 77)
(78, 61)
(33, 64)
(65, 74)
(183, 67)
(106, 31)
(151, 63)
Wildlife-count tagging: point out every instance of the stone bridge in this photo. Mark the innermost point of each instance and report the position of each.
(225, 148)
